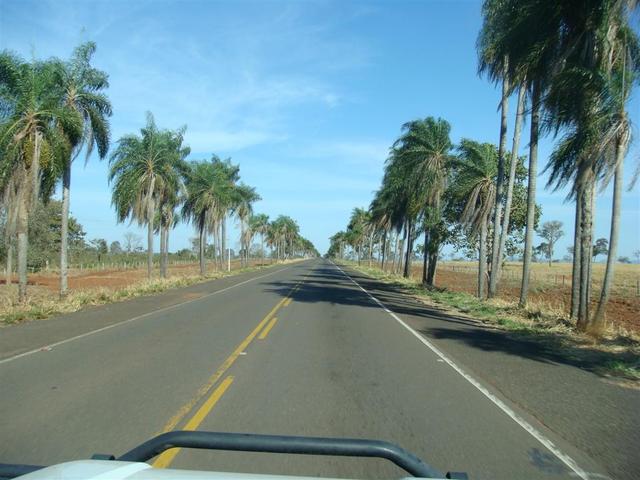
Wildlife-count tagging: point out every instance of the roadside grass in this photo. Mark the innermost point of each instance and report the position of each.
(44, 304)
(616, 353)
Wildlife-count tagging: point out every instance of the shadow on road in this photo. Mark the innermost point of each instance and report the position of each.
(326, 284)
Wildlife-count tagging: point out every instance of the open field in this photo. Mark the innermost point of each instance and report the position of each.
(95, 286)
(550, 287)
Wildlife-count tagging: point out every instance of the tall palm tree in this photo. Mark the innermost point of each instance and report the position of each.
(259, 224)
(474, 187)
(495, 62)
(583, 102)
(82, 85)
(34, 132)
(506, 218)
(171, 194)
(423, 150)
(526, 32)
(245, 197)
(141, 168)
(358, 227)
(209, 193)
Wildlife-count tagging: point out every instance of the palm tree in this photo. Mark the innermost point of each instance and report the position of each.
(34, 132)
(358, 226)
(380, 217)
(527, 33)
(172, 194)
(229, 174)
(141, 169)
(244, 197)
(506, 219)
(474, 188)
(211, 192)
(259, 224)
(494, 61)
(423, 150)
(82, 85)
(585, 101)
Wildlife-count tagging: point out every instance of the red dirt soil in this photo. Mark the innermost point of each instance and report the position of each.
(113, 279)
(621, 311)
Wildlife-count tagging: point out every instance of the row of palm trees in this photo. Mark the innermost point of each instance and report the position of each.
(52, 111)
(575, 67)
(156, 186)
(572, 70)
(433, 188)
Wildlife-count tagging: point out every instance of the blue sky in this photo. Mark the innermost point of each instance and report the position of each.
(305, 96)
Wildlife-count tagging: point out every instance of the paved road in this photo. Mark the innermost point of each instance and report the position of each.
(300, 350)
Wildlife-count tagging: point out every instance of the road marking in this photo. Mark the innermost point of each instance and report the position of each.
(564, 458)
(288, 302)
(133, 319)
(165, 459)
(240, 350)
(268, 328)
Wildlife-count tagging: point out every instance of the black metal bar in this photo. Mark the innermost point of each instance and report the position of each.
(282, 444)
(8, 470)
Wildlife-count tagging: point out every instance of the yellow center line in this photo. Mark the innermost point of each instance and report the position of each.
(173, 421)
(165, 459)
(268, 328)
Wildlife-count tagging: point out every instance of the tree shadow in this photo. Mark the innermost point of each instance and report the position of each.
(327, 284)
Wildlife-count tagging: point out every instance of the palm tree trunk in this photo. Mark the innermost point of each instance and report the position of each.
(504, 233)
(223, 235)
(425, 256)
(497, 217)
(9, 271)
(64, 229)
(575, 273)
(163, 267)
(23, 244)
(395, 253)
(150, 250)
(201, 251)
(401, 257)
(586, 227)
(407, 261)
(370, 248)
(150, 218)
(384, 249)
(166, 251)
(22, 227)
(482, 259)
(431, 273)
(531, 191)
(242, 245)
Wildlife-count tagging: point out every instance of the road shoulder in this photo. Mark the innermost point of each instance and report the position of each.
(588, 410)
(23, 338)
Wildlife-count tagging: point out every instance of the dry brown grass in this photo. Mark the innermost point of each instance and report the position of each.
(550, 291)
(95, 288)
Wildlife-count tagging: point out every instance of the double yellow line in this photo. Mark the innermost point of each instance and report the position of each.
(165, 459)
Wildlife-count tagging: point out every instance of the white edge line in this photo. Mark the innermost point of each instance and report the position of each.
(566, 459)
(133, 319)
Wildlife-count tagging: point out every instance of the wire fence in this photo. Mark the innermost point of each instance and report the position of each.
(625, 284)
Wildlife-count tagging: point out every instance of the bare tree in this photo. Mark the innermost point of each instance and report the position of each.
(551, 232)
(132, 242)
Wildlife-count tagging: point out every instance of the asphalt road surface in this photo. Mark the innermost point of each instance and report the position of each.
(299, 350)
